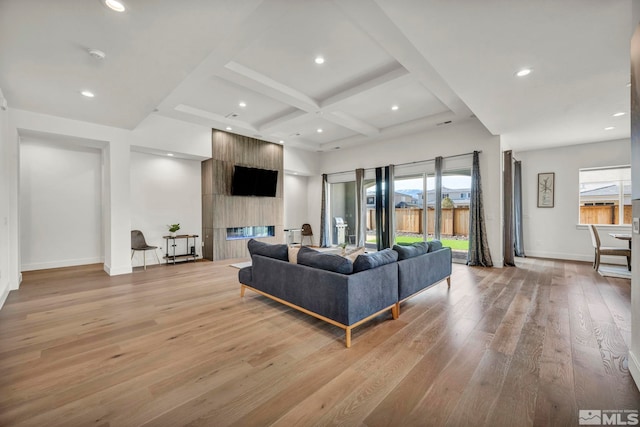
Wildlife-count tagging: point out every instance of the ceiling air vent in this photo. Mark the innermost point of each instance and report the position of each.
(231, 115)
(444, 123)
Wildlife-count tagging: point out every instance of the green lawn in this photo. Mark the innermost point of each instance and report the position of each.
(451, 243)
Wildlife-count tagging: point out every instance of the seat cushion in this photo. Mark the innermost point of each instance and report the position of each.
(329, 262)
(277, 251)
(373, 260)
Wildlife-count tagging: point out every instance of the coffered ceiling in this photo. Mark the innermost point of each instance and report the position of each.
(438, 62)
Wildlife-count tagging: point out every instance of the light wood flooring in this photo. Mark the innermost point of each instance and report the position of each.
(176, 345)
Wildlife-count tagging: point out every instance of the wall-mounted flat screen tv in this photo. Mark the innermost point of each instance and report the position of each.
(254, 182)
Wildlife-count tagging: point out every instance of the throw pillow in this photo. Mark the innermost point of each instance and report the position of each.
(373, 260)
(293, 254)
(410, 251)
(434, 245)
(329, 262)
(353, 253)
(277, 251)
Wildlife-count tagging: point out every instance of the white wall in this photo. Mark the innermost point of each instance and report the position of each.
(296, 210)
(115, 145)
(302, 162)
(164, 191)
(459, 138)
(297, 195)
(155, 134)
(60, 205)
(554, 232)
(165, 134)
(5, 154)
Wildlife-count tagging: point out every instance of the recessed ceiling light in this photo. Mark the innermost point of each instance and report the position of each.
(170, 154)
(242, 104)
(115, 5)
(394, 107)
(319, 60)
(281, 142)
(97, 54)
(295, 173)
(319, 130)
(87, 93)
(621, 113)
(609, 128)
(228, 128)
(524, 72)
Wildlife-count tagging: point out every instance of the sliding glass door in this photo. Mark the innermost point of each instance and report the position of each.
(456, 194)
(415, 209)
(415, 204)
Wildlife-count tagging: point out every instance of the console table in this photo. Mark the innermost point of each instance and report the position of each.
(190, 253)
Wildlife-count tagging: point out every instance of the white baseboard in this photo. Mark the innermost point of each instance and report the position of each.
(634, 368)
(575, 257)
(4, 295)
(116, 271)
(62, 263)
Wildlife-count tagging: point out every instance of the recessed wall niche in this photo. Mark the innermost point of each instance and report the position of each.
(222, 211)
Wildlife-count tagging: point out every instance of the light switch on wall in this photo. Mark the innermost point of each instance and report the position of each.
(636, 225)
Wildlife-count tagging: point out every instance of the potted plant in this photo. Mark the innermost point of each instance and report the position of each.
(344, 248)
(173, 228)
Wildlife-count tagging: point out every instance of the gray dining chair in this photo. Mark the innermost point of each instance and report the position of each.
(138, 243)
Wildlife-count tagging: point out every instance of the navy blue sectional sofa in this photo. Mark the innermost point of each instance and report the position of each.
(338, 291)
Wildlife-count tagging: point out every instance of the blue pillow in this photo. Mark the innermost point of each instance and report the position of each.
(434, 245)
(412, 250)
(329, 262)
(373, 260)
(277, 251)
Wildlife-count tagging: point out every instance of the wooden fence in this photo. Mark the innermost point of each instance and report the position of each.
(455, 221)
(603, 214)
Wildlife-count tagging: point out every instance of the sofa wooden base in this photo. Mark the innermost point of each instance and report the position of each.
(347, 328)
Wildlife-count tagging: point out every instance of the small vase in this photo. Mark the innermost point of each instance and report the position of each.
(172, 234)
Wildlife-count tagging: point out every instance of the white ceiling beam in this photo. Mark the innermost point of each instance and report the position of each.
(394, 131)
(292, 119)
(332, 104)
(215, 117)
(396, 75)
(260, 83)
(252, 22)
(350, 122)
(370, 18)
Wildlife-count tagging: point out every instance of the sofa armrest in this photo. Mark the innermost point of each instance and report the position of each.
(418, 273)
(245, 275)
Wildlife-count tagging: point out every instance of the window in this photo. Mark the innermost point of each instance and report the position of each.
(605, 195)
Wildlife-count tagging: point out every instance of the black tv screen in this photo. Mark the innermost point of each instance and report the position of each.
(254, 182)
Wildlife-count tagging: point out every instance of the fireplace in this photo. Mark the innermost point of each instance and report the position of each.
(251, 232)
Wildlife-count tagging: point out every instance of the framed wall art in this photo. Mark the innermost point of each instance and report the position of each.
(546, 184)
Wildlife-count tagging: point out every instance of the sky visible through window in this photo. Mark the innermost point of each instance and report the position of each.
(453, 181)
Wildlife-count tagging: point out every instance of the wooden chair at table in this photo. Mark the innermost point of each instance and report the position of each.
(606, 250)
